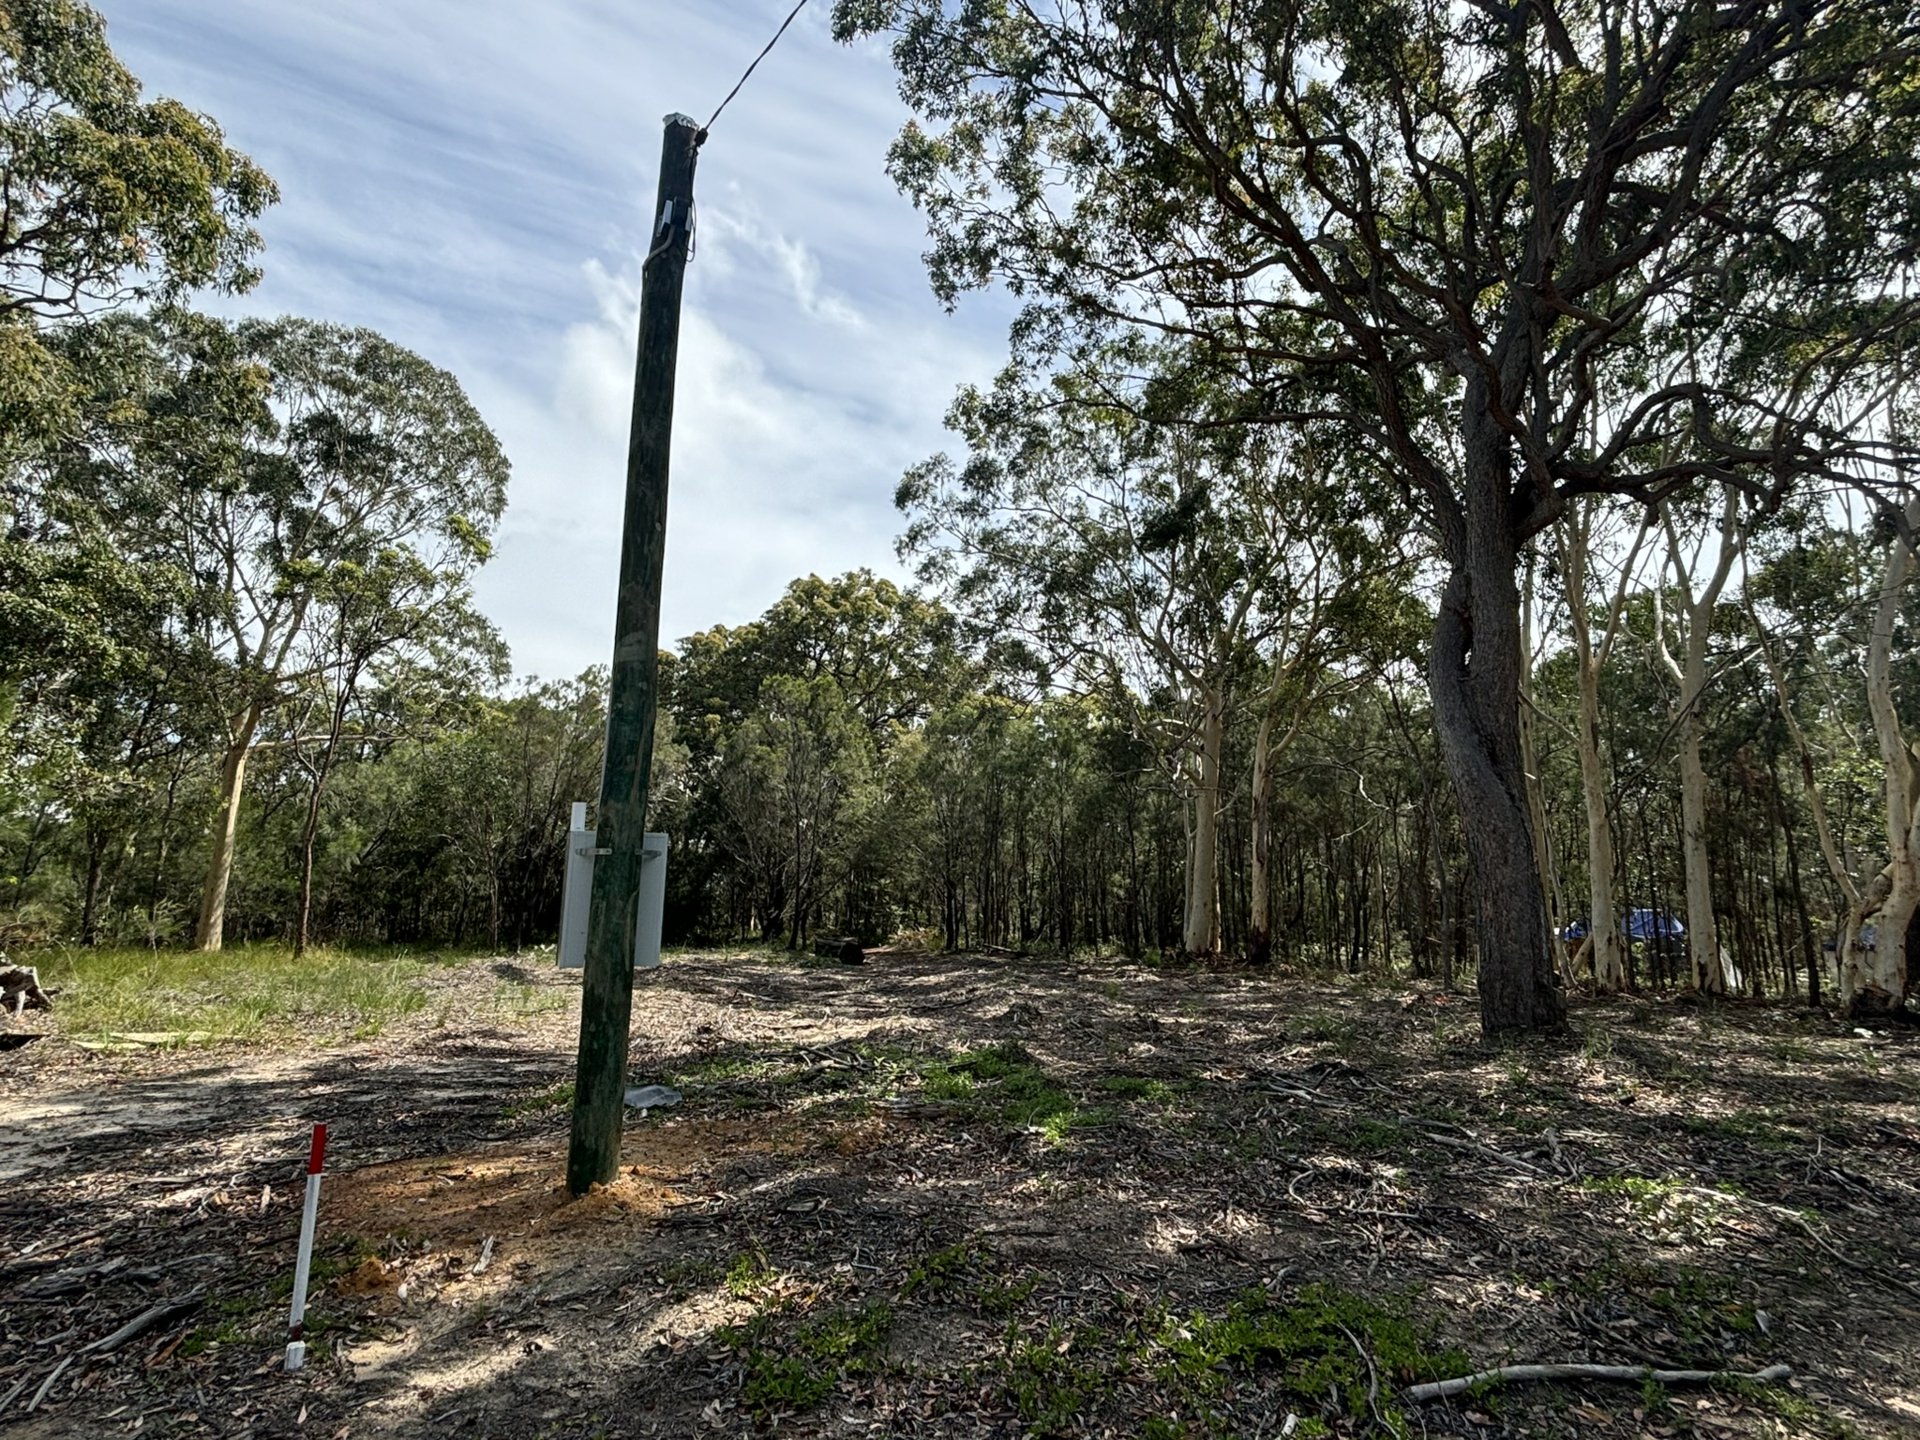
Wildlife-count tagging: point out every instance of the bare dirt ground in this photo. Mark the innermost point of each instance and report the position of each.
(960, 1197)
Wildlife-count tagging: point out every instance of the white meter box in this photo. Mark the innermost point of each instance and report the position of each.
(577, 889)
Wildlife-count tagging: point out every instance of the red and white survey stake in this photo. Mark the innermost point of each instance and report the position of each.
(296, 1346)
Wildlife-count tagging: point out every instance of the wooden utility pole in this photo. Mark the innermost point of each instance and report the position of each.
(606, 1003)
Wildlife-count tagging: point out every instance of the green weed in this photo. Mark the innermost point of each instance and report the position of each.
(1140, 1088)
(793, 1367)
(1327, 1343)
(1797, 1410)
(1671, 1211)
(1048, 1384)
(939, 1273)
(749, 1274)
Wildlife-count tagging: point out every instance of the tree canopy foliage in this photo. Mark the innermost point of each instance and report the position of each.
(1513, 254)
(1448, 509)
(105, 198)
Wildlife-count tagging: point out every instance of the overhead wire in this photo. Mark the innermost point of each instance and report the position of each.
(754, 66)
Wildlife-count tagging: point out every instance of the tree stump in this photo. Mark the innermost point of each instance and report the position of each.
(844, 948)
(20, 989)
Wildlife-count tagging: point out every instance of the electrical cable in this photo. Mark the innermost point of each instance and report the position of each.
(751, 68)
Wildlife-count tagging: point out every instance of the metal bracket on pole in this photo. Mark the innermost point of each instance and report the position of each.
(576, 891)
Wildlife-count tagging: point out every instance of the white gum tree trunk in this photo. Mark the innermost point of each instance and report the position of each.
(211, 931)
(1690, 671)
(1874, 981)
(1200, 934)
(1607, 950)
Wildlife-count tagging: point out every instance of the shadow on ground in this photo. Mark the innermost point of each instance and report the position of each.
(958, 1197)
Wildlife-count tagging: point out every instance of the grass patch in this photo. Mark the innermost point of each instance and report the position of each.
(1338, 1358)
(1143, 1090)
(1343, 1033)
(1742, 1126)
(248, 993)
(1006, 1083)
(330, 1262)
(1335, 1353)
(789, 1367)
(1797, 1410)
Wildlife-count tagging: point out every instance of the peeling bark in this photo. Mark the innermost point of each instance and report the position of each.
(1874, 982)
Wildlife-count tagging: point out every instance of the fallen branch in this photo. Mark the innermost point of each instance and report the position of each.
(143, 1322)
(1474, 1147)
(1798, 1218)
(1505, 1374)
(47, 1384)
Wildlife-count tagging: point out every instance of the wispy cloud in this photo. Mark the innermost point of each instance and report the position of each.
(735, 240)
(474, 179)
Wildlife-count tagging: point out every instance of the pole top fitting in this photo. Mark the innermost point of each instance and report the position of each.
(676, 118)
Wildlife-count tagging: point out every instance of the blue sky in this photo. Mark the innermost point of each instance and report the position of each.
(473, 178)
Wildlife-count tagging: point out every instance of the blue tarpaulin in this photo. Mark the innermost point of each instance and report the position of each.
(1635, 925)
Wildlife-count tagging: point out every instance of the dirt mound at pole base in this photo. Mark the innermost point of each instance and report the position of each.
(515, 1193)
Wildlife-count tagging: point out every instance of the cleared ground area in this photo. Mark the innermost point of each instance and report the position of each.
(968, 1197)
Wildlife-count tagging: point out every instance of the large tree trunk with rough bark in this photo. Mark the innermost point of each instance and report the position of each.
(1474, 674)
(226, 826)
(1200, 934)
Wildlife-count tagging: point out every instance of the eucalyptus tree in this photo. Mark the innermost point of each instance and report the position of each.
(1700, 566)
(892, 653)
(1577, 567)
(1877, 977)
(96, 709)
(1805, 602)
(970, 764)
(796, 782)
(1483, 238)
(105, 199)
(282, 467)
(1145, 561)
(394, 648)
